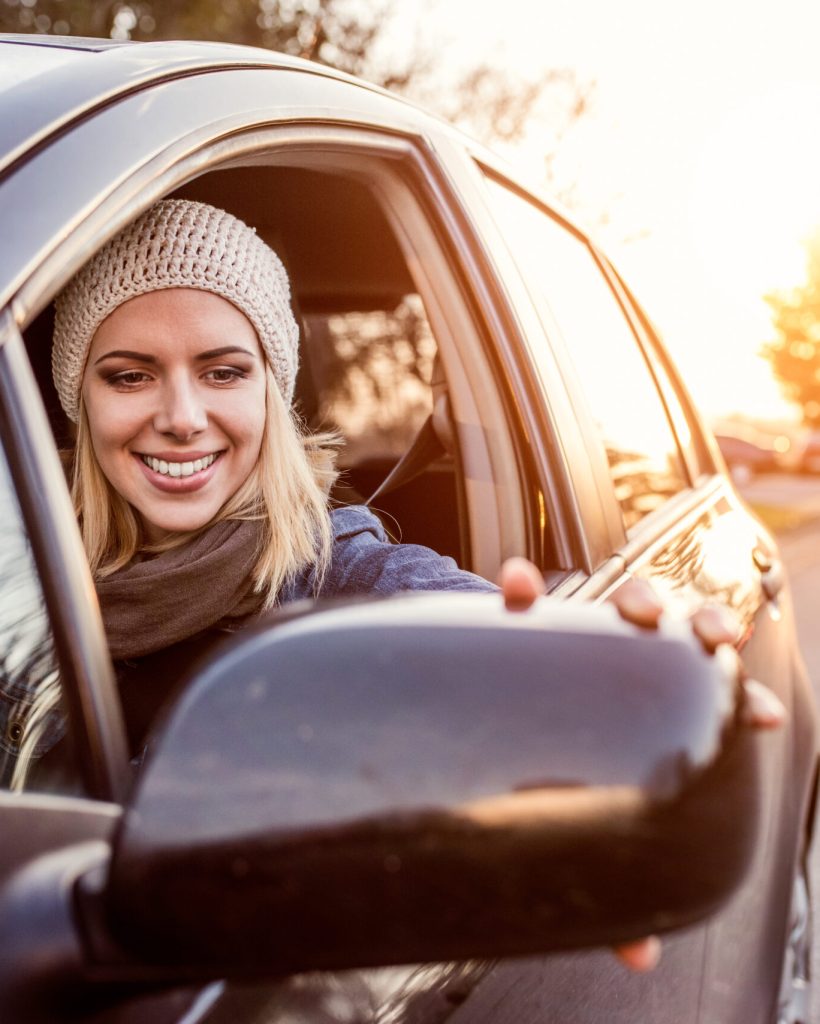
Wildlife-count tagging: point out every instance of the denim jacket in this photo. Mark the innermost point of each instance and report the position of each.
(364, 561)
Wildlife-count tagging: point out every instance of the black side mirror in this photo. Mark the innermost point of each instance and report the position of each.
(433, 778)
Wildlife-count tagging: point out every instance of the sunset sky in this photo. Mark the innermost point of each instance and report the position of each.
(702, 147)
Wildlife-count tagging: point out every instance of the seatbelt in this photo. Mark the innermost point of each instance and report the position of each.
(426, 448)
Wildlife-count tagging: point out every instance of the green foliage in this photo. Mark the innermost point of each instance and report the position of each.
(795, 353)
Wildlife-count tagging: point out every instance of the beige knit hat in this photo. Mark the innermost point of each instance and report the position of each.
(177, 244)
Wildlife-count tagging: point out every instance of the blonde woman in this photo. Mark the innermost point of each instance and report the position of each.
(201, 503)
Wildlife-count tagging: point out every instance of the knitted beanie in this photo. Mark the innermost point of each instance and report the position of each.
(177, 244)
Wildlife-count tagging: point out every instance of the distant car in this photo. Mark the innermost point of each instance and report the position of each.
(810, 453)
(745, 459)
(424, 780)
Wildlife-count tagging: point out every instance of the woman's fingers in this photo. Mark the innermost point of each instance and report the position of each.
(521, 583)
(714, 625)
(762, 708)
(643, 955)
(638, 603)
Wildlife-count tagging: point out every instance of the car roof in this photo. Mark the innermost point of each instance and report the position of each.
(46, 83)
(69, 80)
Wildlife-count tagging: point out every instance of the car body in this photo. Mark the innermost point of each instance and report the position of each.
(434, 287)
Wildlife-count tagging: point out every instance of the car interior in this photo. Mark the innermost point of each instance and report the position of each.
(368, 354)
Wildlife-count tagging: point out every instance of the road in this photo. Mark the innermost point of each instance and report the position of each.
(801, 553)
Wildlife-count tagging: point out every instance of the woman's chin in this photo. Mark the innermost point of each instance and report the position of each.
(160, 528)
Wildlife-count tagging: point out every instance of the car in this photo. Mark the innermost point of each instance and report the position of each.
(749, 451)
(745, 458)
(425, 808)
(809, 460)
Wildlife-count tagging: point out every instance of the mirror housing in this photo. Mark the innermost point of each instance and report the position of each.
(431, 778)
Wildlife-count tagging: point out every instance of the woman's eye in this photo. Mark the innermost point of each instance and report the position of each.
(127, 379)
(226, 375)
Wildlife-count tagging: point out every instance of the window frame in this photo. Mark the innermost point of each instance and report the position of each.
(426, 217)
(95, 724)
(698, 453)
(604, 525)
(563, 491)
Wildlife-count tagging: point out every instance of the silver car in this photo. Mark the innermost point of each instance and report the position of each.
(465, 843)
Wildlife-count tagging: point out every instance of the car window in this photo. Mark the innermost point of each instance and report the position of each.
(32, 723)
(372, 370)
(608, 365)
(369, 339)
(672, 390)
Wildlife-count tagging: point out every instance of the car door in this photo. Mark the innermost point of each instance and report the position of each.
(658, 510)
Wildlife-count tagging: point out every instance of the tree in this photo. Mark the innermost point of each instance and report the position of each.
(493, 105)
(795, 353)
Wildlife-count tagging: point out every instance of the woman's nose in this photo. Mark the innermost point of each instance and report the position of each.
(181, 412)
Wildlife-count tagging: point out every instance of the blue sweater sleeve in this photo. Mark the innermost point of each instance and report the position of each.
(365, 562)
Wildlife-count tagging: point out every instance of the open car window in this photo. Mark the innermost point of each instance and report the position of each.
(377, 324)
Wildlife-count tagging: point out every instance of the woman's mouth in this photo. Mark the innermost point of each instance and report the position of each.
(178, 476)
(177, 469)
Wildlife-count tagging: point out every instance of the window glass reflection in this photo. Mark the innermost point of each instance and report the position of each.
(577, 303)
(32, 722)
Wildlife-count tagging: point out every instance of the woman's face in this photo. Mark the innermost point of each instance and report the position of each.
(174, 392)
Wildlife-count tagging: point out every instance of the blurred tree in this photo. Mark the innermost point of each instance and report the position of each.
(795, 354)
(491, 104)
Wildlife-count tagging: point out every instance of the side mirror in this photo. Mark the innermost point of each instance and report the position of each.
(434, 778)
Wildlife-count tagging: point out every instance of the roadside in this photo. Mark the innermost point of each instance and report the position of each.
(788, 504)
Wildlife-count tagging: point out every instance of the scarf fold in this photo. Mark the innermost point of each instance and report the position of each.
(207, 582)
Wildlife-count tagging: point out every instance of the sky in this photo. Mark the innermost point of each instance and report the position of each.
(702, 147)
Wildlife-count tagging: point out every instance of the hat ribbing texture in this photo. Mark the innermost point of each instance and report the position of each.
(177, 243)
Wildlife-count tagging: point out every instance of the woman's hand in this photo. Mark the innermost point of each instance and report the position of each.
(636, 601)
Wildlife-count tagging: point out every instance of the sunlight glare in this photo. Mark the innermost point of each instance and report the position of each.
(755, 197)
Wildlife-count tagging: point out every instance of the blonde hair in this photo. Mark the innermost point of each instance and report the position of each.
(286, 491)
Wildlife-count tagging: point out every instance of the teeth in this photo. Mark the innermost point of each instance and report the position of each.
(176, 469)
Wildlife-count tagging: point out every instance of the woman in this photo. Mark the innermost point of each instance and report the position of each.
(201, 503)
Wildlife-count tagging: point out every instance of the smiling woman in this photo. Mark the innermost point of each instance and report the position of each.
(194, 414)
(176, 346)
(200, 500)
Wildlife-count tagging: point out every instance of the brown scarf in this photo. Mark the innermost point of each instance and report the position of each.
(207, 582)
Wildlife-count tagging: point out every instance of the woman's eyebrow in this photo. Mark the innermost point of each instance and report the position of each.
(216, 353)
(122, 353)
